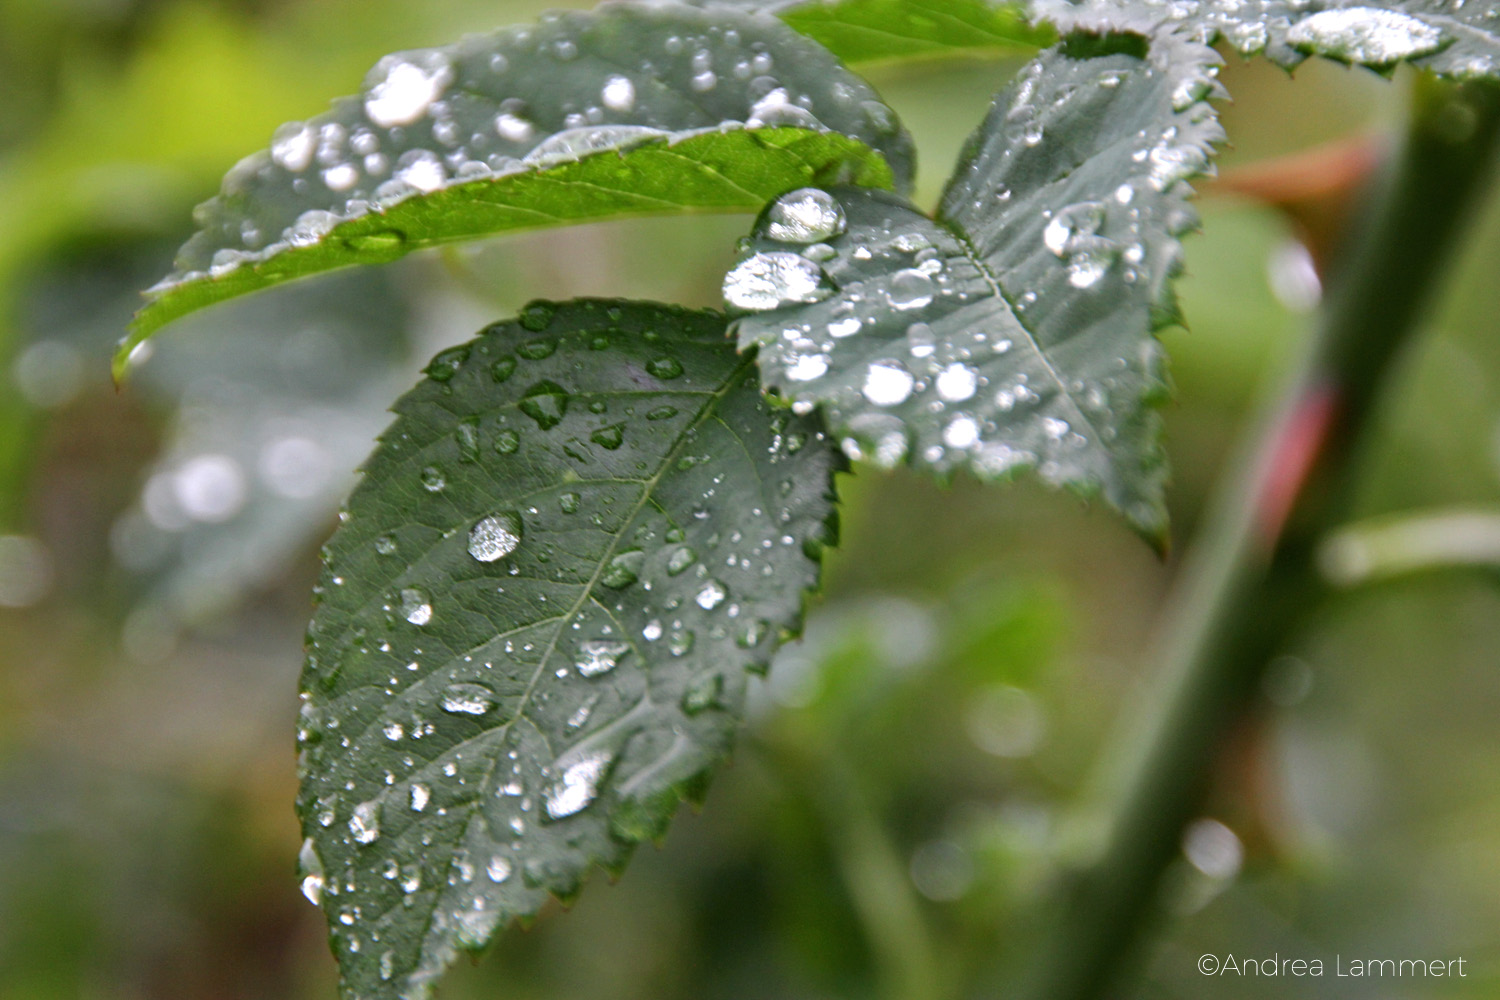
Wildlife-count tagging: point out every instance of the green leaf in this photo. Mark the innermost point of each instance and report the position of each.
(1015, 330)
(879, 30)
(626, 110)
(1454, 39)
(582, 531)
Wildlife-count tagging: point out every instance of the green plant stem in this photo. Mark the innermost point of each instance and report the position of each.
(1251, 576)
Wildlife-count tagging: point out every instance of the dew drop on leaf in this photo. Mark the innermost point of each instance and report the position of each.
(416, 606)
(664, 368)
(579, 784)
(597, 657)
(365, 822)
(467, 699)
(807, 215)
(623, 570)
(546, 403)
(711, 595)
(495, 537)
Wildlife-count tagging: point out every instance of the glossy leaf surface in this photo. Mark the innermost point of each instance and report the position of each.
(589, 115)
(582, 532)
(1014, 331)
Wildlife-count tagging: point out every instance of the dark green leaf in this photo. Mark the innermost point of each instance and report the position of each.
(1449, 37)
(625, 110)
(874, 30)
(1015, 330)
(536, 621)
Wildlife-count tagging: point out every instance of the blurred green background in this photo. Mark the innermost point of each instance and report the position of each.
(891, 824)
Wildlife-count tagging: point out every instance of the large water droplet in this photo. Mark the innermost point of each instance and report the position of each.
(909, 289)
(467, 699)
(310, 866)
(623, 570)
(579, 783)
(680, 559)
(365, 822)
(610, 437)
(546, 403)
(618, 93)
(774, 279)
(1366, 35)
(806, 215)
(411, 82)
(711, 595)
(495, 537)
(599, 656)
(445, 364)
(416, 606)
(664, 367)
(957, 383)
(420, 796)
(498, 869)
(887, 384)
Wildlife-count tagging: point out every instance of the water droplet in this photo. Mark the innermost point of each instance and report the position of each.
(498, 869)
(1366, 35)
(623, 570)
(579, 784)
(887, 384)
(546, 403)
(514, 128)
(618, 93)
(407, 88)
(503, 369)
(466, 434)
(416, 606)
(751, 635)
(386, 545)
(610, 437)
(771, 280)
(702, 693)
(310, 865)
(909, 289)
(507, 441)
(467, 699)
(664, 368)
(420, 796)
(537, 350)
(433, 480)
(599, 656)
(293, 146)
(806, 215)
(957, 383)
(365, 823)
(662, 413)
(495, 537)
(537, 316)
(569, 503)
(1072, 224)
(680, 559)
(712, 595)
(961, 432)
(807, 367)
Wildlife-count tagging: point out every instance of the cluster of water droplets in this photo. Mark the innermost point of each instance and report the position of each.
(488, 108)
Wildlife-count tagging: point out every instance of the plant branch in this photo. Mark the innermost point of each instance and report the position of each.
(1252, 574)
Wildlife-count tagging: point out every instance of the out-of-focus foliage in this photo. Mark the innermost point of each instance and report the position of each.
(895, 810)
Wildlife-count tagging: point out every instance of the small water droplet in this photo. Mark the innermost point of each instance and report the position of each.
(507, 441)
(498, 869)
(466, 434)
(702, 693)
(537, 350)
(433, 480)
(420, 796)
(445, 364)
(680, 559)
(503, 369)
(957, 383)
(1368, 35)
(537, 316)
(386, 545)
(569, 503)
